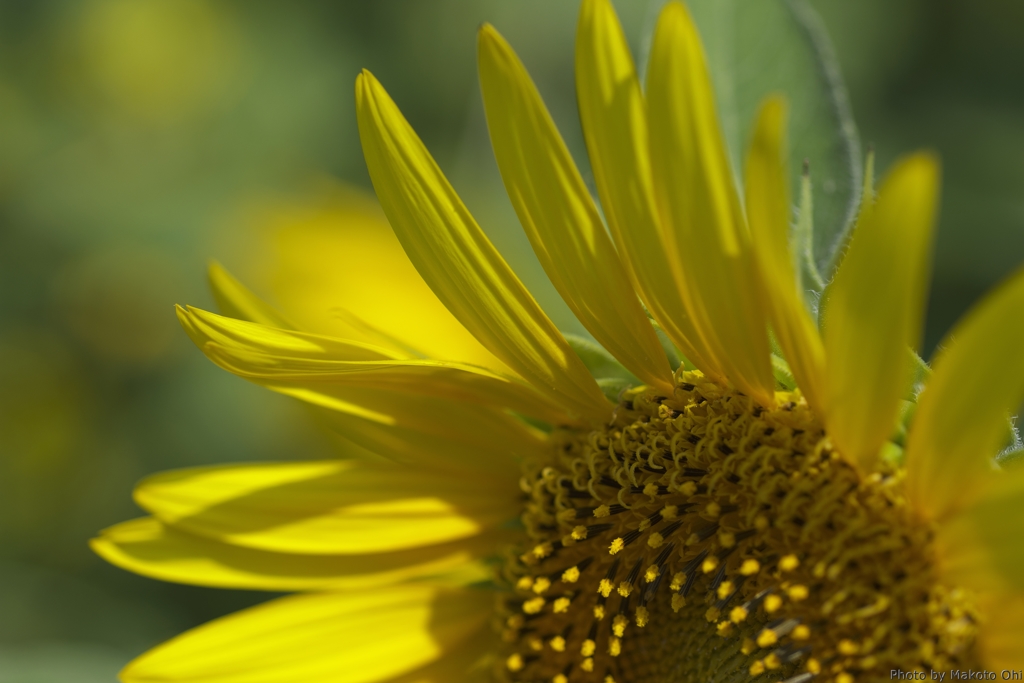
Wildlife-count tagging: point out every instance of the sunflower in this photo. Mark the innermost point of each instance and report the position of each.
(798, 497)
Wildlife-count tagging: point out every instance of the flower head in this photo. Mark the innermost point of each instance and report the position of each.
(710, 520)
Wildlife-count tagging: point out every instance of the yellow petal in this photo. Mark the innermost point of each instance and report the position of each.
(768, 210)
(145, 546)
(312, 367)
(336, 268)
(559, 216)
(235, 300)
(697, 201)
(979, 549)
(614, 120)
(458, 261)
(327, 508)
(205, 327)
(875, 309)
(454, 436)
(960, 422)
(350, 637)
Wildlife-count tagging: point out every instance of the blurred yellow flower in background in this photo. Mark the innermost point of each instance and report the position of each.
(713, 520)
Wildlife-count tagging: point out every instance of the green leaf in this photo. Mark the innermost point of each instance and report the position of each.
(757, 47)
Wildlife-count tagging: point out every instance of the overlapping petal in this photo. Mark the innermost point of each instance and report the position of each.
(148, 547)
(707, 236)
(316, 368)
(961, 418)
(458, 261)
(326, 507)
(349, 637)
(768, 211)
(875, 309)
(614, 118)
(559, 216)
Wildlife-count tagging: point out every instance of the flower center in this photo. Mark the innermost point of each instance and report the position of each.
(701, 537)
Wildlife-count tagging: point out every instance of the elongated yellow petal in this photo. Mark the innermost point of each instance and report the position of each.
(559, 216)
(961, 416)
(768, 212)
(145, 546)
(454, 436)
(312, 367)
(875, 309)
(350, 637)
(614, 121)
(696, 197)
(458, 261)
(205, 327)
(327, 508)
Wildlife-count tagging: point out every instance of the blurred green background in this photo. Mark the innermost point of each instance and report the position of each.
(138, 139)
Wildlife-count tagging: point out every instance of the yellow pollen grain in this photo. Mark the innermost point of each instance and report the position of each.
(678, 579)
(688, 489)
(541, 584)
(571, 575)
(568, 540)
(713, 510)
(709, 565)
(727, 539)
(844, 678)
(724, 628)
(772, 603)
(643, 617)
(557, 644)
(587, 664)
(724, 590)
(541, 551)
(602, 511)
(652, 573)
(561, 605)
(767, 638)
(738, 615)
(533, 605)
(801, 632)
(536, 644)
(651, 490)
(798, 592)
(760, 522)
(847, 647)
(748, 646)
(625, 588)
(712, 614)
(789, 563)
(525, 583)
(599, 612)
(678, 602)
(515, 662)
(772, 661)
(813, 666)
(619, 624)
(616, 546)
(757, 668)
(750, 567)
(588, 648)
(655, 540)
(560, 678)
(670, 512)
(644, 525)
(579, 532)
(609, 679)
(605, 587)
(614, 646)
